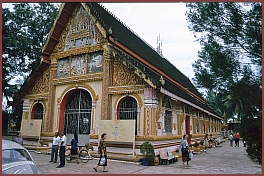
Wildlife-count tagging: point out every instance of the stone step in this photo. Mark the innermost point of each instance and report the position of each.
(122, 157)
(110, 155)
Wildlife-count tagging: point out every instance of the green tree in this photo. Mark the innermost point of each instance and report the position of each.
(229, 63)
(231, 49)
(235, 25)
(24, 31)
(215, 101)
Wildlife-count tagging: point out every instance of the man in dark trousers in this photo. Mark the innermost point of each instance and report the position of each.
(62, 146)
(55, 147)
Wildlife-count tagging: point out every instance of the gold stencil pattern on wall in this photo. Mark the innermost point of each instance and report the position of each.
(42, 83)
(123, 76)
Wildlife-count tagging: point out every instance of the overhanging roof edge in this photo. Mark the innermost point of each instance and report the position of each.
(172, 95)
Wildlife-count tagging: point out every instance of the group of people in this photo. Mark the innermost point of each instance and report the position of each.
(59, 145)
(186, 152)
(208, 140)
(235, 138)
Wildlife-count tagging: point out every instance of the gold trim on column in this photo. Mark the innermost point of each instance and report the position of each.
(148, 122)
(159, 110)
(107, 72)
(48, 126)
(93, 119)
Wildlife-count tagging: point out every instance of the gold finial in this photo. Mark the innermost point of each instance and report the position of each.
(159, 45)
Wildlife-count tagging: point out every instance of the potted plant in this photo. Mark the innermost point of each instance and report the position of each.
(147, 150)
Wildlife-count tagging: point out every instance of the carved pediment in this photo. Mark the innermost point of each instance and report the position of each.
(123, 76)
(80, 31)
(42, 83)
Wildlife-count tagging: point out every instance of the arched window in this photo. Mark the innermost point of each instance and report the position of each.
(37, 113)
(127, 110)
(77, 113)
(198, 127)
(168, 121)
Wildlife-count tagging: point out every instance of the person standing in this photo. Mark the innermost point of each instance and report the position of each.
(231, 139)
(244, 143)
(205, 142)
(102, 151)
(74, 146)
(236, 136)
(62, 146)
(55, 147)
(185, 151)
(19, 139)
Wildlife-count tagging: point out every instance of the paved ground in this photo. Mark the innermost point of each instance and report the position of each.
(226, 160)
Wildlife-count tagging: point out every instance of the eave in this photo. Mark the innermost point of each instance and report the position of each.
(31, 80)
(59, 25)
(117, 45)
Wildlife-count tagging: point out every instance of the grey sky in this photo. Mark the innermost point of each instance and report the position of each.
(149, 20)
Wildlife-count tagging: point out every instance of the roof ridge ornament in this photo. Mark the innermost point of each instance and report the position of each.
(162, 80)
(159, 46)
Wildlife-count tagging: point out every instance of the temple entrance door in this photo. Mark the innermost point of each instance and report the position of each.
(127, 110)
(168, 122)
(77, 114)
(187, 128)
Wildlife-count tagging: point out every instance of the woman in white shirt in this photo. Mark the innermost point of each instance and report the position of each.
(206, 142)
(185, 151)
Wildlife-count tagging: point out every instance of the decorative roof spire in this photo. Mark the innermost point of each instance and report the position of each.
(159, 45)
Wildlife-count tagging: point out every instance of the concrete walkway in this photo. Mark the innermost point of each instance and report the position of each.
(225, 159)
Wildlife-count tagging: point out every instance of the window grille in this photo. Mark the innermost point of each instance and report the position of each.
(128, 110)
(38, 113)
(78, 113)
(168, 122)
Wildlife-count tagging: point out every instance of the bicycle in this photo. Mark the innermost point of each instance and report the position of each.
(83, 154)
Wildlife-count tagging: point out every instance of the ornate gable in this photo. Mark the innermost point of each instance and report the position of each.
(42, 83)
(80, 47)
(80, 32)
(123, 76)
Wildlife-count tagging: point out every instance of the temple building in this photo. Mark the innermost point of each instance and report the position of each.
(93, 67)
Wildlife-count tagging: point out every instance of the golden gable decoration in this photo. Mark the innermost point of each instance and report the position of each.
(123, 76)
(80, 32)
(42, 83)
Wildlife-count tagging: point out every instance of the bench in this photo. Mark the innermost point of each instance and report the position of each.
(174, 154)
(167, 157)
